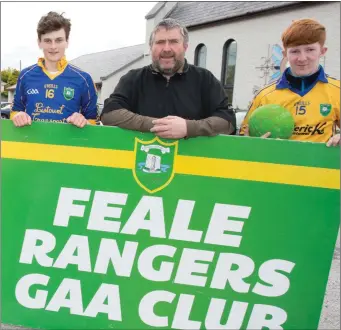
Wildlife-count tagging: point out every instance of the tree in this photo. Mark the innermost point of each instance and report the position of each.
(14, 77)
(4, 75)
(10, 77)
(4, 94)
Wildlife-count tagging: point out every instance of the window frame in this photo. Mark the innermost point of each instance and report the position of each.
(197, 52)
(228, 87)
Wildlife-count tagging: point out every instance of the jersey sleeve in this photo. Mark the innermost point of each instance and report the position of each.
(89, 101)
(337, 113)
(335, 92)
(19, 102)
(255, 104)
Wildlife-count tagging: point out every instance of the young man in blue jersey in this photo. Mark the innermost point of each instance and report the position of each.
(54, 90)
(312, 97)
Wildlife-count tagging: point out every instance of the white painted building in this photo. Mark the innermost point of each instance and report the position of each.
(106, 68)
(3, 84)
(241, 38)
(11, 92)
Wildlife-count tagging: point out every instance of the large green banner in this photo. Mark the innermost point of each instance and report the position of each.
(104, 228)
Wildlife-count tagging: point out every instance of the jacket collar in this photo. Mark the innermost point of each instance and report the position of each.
(184, 70)
(284, 83)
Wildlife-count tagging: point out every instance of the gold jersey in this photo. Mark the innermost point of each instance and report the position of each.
(315, 111)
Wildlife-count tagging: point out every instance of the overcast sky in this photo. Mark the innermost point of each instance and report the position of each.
(96, 26)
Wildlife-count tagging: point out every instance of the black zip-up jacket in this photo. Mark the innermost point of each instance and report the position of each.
(302, 83)
(192, 94)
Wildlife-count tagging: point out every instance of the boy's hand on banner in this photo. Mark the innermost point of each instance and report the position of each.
(77, 119)
(21, 119)
(247, 133)
(334, 141)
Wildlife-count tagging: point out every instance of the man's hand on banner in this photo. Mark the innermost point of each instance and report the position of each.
(170, 127)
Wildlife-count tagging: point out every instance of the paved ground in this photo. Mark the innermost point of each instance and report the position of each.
(330, 318)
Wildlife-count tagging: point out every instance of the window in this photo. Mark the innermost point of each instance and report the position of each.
(229, 67)
(200, 56)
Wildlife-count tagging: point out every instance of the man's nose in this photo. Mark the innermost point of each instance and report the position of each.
(166, 47)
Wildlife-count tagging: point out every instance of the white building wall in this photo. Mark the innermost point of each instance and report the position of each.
(152, 22)
(254, 35)
(10, 96)
(99, 93)
(109, 84)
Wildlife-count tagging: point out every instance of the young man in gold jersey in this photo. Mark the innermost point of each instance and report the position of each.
(312, 97)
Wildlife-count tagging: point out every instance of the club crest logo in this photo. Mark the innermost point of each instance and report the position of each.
(68, 93)
(325, 109)
(154, 163)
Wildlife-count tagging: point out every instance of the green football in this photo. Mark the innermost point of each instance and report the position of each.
(271, 118)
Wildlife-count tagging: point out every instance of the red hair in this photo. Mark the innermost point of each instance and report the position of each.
(304, 32)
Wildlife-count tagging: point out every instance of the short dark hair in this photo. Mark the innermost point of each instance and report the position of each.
(53, 22)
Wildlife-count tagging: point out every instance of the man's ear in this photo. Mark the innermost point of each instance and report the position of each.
(185, 46)
(324, 51)
(38, 42)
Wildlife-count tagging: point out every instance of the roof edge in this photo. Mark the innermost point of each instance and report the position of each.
(155, 10)
(11, 88)
(104, 51)
(122, 67)
(169, 13)
(261, 11)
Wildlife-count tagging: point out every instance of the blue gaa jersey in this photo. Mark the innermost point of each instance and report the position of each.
(55, 97)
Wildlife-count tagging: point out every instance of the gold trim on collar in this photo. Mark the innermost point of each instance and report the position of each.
(61, 65)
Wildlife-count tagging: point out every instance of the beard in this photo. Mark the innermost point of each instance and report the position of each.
(178, 64)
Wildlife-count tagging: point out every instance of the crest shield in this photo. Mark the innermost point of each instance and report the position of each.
(68, 93)
(154, 163)
(325, 109)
